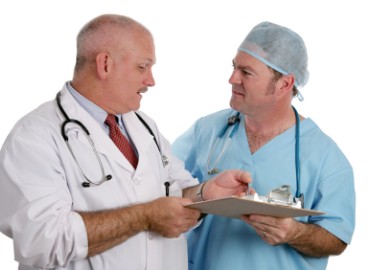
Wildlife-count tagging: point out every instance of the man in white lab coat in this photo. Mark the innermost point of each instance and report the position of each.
(71, 203)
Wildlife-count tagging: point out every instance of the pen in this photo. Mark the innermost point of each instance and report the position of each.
(167, 184)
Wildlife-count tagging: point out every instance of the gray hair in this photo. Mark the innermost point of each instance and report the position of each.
(101, 34)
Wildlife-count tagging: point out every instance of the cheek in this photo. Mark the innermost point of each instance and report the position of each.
(126, 86)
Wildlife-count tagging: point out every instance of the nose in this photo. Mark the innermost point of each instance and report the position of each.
(149, 80)
(234, 78)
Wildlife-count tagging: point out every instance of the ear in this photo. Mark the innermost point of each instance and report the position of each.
(102, 65)
(285, 84)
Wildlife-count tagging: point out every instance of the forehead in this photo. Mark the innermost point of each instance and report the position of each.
(244, 60)
(140, 46)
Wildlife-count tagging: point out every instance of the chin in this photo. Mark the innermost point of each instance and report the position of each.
(233, 104)
(136, 103)
(135, 108)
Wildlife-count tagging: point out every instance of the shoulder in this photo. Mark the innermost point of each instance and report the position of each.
(318, 143)
(206, 127)
(215, 119)
(35, 131)
(37, 120)
(312, 132)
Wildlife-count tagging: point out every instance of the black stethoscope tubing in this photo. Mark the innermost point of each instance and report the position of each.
(106, 177)
(88, 182)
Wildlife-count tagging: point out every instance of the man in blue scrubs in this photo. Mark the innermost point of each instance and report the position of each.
(269, 68)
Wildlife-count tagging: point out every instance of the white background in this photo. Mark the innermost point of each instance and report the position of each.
(195, 42)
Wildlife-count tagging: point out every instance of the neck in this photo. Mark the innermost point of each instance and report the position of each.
(271, 122)
(264, 128)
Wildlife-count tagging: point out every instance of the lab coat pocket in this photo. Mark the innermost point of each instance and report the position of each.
(174, 189)
(175, 253)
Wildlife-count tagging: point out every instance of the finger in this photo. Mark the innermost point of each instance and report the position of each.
(184, 201)
(246, 191)
(242, 176)
(250, 190)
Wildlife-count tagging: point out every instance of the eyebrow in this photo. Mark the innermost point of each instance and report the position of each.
(249, 68)
(149, 60)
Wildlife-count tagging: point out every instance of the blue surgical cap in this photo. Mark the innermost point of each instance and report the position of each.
(279, 48)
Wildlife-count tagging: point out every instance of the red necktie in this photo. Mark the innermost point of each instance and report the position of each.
(120, 140)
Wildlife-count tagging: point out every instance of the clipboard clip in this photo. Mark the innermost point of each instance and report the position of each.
(283, 196)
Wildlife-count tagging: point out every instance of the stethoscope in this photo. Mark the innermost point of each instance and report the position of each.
(105, 177)
(234, 122)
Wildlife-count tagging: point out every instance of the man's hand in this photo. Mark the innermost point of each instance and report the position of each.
(227, 183)
(272, 229)
(168, 217)
(309, 239)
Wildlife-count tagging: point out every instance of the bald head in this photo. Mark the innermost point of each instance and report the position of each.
(115, 55)
(104, 33)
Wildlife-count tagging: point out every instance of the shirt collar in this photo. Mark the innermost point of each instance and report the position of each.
(94, 110)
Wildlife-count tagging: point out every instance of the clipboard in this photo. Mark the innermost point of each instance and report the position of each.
(235, 207)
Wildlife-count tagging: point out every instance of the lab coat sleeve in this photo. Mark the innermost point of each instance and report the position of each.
(35, 202)
(186, 148)
(182, 176)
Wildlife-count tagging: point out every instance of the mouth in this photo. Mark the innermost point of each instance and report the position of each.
(237, 92)
(143, 90)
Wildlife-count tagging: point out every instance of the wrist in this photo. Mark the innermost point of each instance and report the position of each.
(144, 212)
(199, 193)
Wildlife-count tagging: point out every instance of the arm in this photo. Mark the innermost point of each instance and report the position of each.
(309, 239)
(165, 216)
(313, 240)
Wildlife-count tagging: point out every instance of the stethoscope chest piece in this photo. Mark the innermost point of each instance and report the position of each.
(233, 119)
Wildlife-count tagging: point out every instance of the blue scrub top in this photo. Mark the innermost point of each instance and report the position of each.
(326, 181)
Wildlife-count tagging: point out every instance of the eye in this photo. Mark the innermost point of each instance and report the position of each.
(246, 72)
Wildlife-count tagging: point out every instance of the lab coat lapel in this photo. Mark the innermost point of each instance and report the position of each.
(139, 136)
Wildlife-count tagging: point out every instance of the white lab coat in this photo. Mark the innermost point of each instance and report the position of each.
(40, 190)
